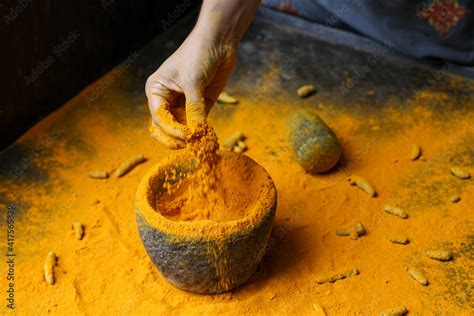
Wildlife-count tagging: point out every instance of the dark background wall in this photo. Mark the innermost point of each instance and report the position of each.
(52, 49)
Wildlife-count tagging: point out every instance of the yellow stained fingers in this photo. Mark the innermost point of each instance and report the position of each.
(195, 112)
(164, 139)
(168, 123)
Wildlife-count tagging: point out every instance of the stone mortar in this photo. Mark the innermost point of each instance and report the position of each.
(205, 257)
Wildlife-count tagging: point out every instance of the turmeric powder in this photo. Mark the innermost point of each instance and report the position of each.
(110, 262)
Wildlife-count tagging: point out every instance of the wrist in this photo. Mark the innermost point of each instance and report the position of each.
(226, 21)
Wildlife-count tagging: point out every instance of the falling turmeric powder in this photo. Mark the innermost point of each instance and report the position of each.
(201, 195)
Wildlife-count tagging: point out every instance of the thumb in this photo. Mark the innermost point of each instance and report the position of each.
(195, 105)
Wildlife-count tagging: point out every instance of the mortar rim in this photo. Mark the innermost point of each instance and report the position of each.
(263, 205)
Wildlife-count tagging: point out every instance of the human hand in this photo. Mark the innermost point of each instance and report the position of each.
(185, 87)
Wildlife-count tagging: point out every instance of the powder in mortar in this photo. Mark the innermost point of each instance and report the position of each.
(212, 192)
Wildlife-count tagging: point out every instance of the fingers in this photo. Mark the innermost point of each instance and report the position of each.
(159, 100)
(168, 122)
(179, 110)
(195, 105)
(164, 139)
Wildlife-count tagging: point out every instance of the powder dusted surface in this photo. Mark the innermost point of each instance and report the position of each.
(45, 175)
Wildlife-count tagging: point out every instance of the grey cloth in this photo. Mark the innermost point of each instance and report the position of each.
(421, 29)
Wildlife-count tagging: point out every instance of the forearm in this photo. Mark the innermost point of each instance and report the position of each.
(226, 20)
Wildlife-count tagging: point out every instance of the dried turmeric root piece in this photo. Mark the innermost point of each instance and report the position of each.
(344, 232)
(306, 91)
(402, 240)
(242, 145)
(355, 232)
(339, 276)
(455, 199)
(395, 311)
(78, 230)
(362, 184)
(129, 164)
(460, 173)
(98, 174)
(395, 211)
(233, 141)
(49, 268)
(319, 310)
(415, 152)
(441, 255)
(358, 231)
(224, 97)
(417, 275)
